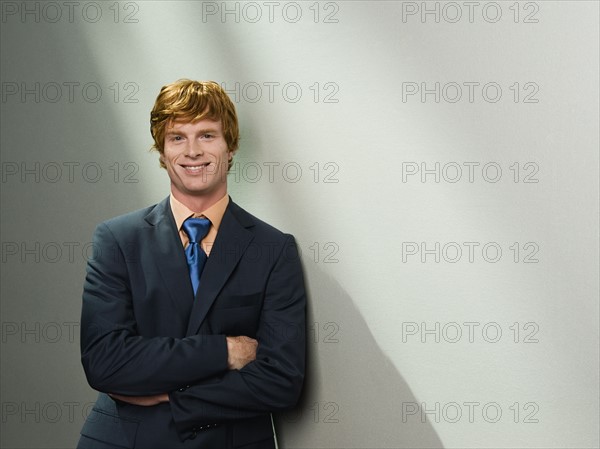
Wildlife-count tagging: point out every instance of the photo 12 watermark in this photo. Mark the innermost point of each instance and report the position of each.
(470, 412)
(469, 332)
(471, 12)
(14, 92)
(471, 172)
(289, 172)
(74, 252)
(270, 12)
(287, 91)
(38, 332)
(69, 12)
(470, 252)
(318, 412)
(470, 92)
(68, 172)
(315, 333)
(51, 412)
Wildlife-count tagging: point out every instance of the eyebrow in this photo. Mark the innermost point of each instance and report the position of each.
(202, 131)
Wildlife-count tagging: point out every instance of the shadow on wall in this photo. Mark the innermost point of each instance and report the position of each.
(353, 394)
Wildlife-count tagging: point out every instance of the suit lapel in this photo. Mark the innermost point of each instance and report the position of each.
(169, 257)
(232, 241)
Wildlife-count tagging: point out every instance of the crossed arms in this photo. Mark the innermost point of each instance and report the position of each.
(206, 378)
(241, 350)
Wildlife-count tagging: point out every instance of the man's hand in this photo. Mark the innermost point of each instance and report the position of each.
(145, 401)
(240, 351)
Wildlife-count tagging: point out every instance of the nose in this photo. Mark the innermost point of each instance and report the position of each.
(194, 149)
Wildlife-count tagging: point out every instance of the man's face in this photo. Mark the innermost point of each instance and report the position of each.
(196, 158)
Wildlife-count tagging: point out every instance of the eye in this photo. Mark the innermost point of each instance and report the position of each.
(207, 136)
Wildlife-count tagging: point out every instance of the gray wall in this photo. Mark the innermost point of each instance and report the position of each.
(439, 170)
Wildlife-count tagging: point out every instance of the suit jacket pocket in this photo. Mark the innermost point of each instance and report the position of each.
(117, 431)
(235, 320)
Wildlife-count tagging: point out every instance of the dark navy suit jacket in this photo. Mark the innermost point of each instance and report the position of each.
(143, 333)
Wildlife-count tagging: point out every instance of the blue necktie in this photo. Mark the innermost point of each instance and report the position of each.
(196, 229)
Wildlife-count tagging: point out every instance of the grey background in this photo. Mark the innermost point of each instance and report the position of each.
(483, 350)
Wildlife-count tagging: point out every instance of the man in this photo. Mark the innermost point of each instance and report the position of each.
(193, 312)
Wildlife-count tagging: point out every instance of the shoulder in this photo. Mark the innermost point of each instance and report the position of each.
(132, 221)
(258, 227)
(278, 245)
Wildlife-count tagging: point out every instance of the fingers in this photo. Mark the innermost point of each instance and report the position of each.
(241, 350)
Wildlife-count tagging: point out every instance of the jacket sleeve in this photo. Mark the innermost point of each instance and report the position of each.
(273, 381)
(116, 359)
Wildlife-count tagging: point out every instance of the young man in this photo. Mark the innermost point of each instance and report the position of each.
(193, 314)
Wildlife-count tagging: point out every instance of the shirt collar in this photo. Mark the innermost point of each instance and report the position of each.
(214, 213)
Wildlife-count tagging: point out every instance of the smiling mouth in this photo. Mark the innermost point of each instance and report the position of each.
(196, 167)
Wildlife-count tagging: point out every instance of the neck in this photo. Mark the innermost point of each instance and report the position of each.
(198, 204)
